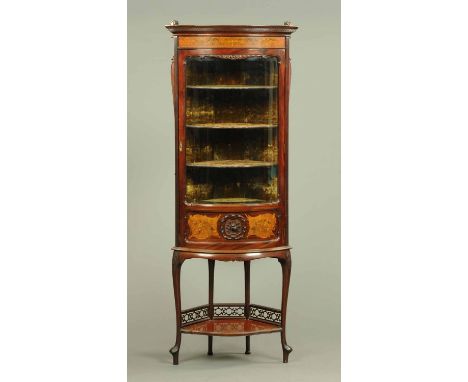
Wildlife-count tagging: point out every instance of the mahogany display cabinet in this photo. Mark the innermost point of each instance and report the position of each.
(231, 88)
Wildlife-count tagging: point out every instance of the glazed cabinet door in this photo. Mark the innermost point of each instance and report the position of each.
(231, 129)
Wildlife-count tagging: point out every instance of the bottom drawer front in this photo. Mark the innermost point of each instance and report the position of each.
(231, 226)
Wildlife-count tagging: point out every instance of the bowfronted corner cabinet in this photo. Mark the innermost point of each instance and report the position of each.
(231, 88)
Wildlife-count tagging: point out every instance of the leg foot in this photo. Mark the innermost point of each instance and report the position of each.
(210, 345)
(175, 354)
(247, 345)
(286, 350)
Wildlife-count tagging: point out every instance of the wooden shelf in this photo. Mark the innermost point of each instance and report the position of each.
(232, 163)
(232, 200)
(230, 327)
(231, 125)
(240, 87)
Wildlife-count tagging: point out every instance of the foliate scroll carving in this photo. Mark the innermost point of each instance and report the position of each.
(233, 226)
(233, 56)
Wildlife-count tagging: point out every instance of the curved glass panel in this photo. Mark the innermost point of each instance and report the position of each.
(231, 128)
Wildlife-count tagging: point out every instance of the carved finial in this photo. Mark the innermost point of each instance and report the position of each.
(288, 23)
(174, 22)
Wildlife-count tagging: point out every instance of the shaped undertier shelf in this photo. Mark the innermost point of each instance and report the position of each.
(230, 320)
(230, 327)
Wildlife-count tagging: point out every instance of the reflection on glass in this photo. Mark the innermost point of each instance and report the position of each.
(231, 129)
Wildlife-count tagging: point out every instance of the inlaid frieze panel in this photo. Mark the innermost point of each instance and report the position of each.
(230, 42)
(231, 227)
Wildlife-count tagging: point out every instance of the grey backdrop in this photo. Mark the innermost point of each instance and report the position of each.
(314, 302)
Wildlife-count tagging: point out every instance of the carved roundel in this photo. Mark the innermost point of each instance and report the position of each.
(233, 226)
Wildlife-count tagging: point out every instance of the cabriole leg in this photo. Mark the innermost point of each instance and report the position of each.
(176, 267)
(286, 270)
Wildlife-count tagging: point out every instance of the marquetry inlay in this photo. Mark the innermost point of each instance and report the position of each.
(202, 227)
(262, 226)
(231, 42)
